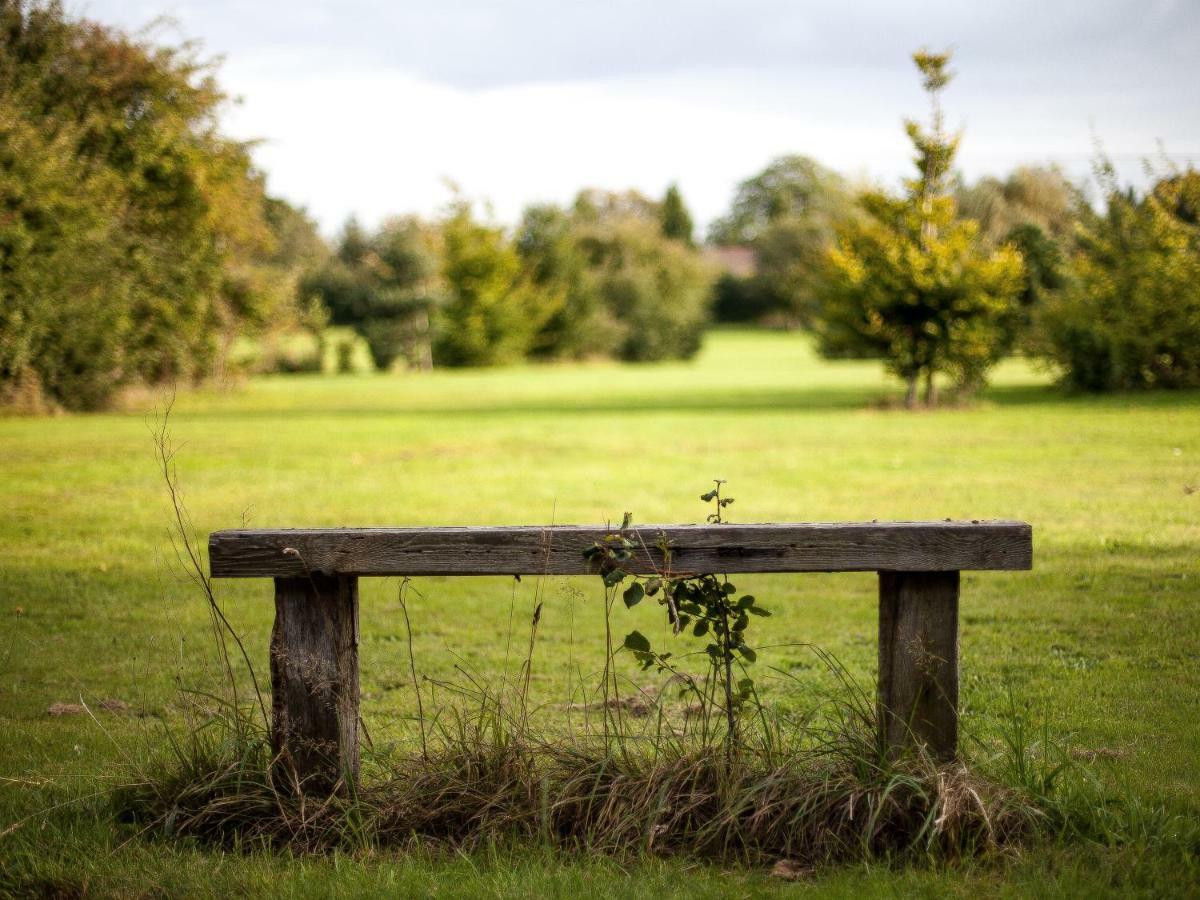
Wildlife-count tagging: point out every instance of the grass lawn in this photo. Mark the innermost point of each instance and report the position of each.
(1101, 641)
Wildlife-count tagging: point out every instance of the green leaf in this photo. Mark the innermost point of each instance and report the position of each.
(729, 588)
(636, 641)
(741, 622)
(652, 586)
(701, 628)
(745, 601)
(616, 576)
(747, 654)
(759, 611)
(633, 595)
(707, 498)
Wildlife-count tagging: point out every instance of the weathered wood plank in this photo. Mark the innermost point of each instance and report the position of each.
(314, 682)
(558, 549)
(918, 661)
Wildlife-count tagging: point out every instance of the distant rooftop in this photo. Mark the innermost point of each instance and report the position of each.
(740, 262)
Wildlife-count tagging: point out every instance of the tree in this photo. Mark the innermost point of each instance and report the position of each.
(649, 295)
(1180, 195)
(1129, 314)
(493, 311)
(624, 289)
(134, 232)
(594, 205)
(386, 286)
(1036, 196)
(675, 218)
(788, 215)
(912, 283)
(790, 187)
(1035, 210)
(548, 243)
(1044, 272)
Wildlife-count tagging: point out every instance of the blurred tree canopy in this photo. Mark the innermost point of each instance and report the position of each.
(138, 244)
(493, 310)
(914, 284)
(135, 240)
(788, 215)
(384, 285)
(789, 187)
(675, 218)
(1035, 210)
(1031, 195)
(624, 286)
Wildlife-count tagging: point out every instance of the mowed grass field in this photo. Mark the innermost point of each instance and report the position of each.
(1100, 642)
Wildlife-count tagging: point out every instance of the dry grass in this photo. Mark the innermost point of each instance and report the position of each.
(486, 775)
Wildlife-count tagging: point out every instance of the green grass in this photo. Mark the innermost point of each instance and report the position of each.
(1101, 640)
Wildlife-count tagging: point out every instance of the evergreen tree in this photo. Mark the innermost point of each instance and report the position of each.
(675, 218)
(912, 283)
(386, 286)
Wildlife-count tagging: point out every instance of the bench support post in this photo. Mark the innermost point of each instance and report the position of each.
(918, 662)
(314, 682)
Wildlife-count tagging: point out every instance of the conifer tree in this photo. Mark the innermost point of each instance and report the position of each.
(912, 283)
(676, 220)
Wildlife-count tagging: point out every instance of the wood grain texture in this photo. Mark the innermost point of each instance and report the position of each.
(918, 661)
(314, 682)
(558, 549)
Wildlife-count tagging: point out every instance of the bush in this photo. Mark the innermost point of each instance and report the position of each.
(493, 311)
(1129, 316)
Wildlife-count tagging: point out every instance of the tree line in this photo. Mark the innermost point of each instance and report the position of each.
(613, 275)
(138, 245)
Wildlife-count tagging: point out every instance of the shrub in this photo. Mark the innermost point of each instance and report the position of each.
(1129, 315)
(493, 310)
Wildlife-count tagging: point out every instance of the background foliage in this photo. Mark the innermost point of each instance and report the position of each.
(140, 246)
(135, 240)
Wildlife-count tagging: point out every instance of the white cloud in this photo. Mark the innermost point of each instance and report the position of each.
(366, 108)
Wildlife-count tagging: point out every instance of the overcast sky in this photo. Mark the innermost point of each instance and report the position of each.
(368, 107)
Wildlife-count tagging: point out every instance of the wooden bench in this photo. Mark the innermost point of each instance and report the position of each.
(314, 644)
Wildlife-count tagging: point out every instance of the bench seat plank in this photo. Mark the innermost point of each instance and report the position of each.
(558, 549)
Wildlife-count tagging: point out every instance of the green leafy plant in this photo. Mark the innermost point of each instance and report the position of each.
(705, 606)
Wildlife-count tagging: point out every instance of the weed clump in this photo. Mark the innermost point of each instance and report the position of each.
(489, 777)
(720, 777)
